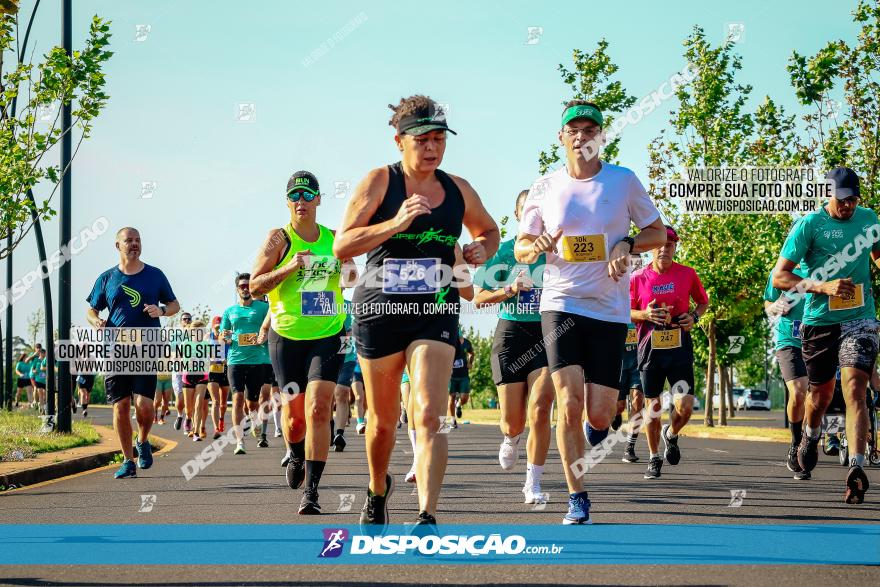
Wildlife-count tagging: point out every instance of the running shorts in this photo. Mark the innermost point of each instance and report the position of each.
(680, 378)
(296, 362)
(848, 344)
(595, 345)
(345, 374)
(247, 379)
(791, 363)
(459, 385)
(516, 351)
(119, 387)
(375, 341)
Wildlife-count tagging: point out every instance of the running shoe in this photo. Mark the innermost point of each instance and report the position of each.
(85, 412)
(403, 417)
(361, 427)
(256, 430)
(239, 449)
(458, 410)
(375, 511)
(161, 420)
(263, 442)
(594, 437)
(287, 456)
(339, 442)
(247, 425)
(578, 510)
(277, 433)
(454, 423)
(671, 452)
(802, 475)
(616, 422)
(792, 460)
(217, 434)
(410, 476)
(126, 471)
(425, 519)
(178, 422)
(309, 505)
(808, 453)
(165, 414)
(832, 445)
(188, 426)
(508, 454)
(196, 437)
(653, 471)
(856, 485)
(296, 473)
(533, 494)
(145, 454)
(629, 453)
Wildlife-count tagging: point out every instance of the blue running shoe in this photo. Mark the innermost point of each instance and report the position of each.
(578, 510)
(145, 454)
(594, 437)
(126, 470)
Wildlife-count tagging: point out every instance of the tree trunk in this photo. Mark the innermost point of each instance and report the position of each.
(722, 397)
(731, 408)
(710, 375)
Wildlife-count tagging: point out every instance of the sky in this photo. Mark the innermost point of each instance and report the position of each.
(214, 104)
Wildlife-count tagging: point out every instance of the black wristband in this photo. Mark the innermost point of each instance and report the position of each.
(630, 241)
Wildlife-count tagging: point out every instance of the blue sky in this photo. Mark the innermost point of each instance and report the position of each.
(175, 95)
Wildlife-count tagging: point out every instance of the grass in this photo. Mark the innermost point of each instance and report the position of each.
(20, 437)
(695, 426)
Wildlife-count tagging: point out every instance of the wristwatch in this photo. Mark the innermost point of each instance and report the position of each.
(695, 316)
(164, 310)
(630, 241)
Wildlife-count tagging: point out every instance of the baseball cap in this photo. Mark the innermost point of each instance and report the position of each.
(671, 235)
(303, 181)
(846, 182)
(582, 111)
(424, 120)
(215, 320)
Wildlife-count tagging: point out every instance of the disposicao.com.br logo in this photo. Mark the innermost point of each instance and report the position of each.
(446, 544)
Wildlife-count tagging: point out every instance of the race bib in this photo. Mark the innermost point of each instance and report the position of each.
(589, 248)
(318, 303)
(836, 303)
(410, 276)
(458, 363)
(631, 336)
(216, 368)
(529, 301)
(833, 424)
(666, 339)
(247, 339)
(796, 328)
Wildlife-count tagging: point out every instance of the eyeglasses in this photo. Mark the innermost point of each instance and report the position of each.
(588, 132)
(307, 196)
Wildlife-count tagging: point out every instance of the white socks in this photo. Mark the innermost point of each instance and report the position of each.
(534, 474)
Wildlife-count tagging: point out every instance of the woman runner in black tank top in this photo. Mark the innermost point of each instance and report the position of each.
(407, 218)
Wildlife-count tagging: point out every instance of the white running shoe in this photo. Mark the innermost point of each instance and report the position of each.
(361, 428)
(533, 493)
(411, 476)
(508, 454)
(277, 433)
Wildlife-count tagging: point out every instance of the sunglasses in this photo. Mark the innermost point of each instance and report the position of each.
(307, 196)
(186, 319)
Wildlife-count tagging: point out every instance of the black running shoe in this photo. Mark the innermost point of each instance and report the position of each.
(802, 475)
(808, 453)
(671, 453)
(856, 485)
(629, 454)
(458, 411)
(296, 473)
(426, 519)
(792, 462)
(287, 456)
(616, 422)
(653, 471)
(309, 505)
(375, 512)
(263, 442)
(177, 422)
(339, 442)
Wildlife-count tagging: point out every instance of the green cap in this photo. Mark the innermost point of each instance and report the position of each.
(582, 111)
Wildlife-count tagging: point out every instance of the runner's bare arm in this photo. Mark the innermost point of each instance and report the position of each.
(479, 223)
(263, 277)
(356, 236)
(650, 237)
(784, 279)
(93, 318)
(348, 270)
(263, 335)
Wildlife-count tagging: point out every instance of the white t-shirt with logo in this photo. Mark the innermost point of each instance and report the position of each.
(605, 204)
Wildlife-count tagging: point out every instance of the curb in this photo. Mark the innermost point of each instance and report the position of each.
(686, 434)
(54, 471)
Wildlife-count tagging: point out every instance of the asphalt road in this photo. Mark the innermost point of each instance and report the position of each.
(250, 489)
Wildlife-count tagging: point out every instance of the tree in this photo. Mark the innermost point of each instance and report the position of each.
(591, 80)
(482, 385)
(25, 139)
(35, 324)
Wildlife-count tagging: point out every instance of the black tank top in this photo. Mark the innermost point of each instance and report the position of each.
(430, 236)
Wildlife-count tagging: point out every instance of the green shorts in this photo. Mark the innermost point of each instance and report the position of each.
(460, 385)
(163, 386)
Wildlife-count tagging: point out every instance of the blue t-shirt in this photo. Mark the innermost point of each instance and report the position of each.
(125, 295)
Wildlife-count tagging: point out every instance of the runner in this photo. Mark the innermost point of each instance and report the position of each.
(218, 381)
(131, 292)
(660, 294)
(195, 390)
(85, 383)
(39, 372)
(585, 210)
(34, 364)
(342, 393)
(162, 402)
(786, 320)
(835, 246)
(360, 398)
(630, 388)
(247, 355)
(177, 380)
(302, 280)
(406, 217)
(519, 370)
(460, 383)
(23, 379)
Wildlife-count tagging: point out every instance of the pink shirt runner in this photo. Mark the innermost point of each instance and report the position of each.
(675, 288)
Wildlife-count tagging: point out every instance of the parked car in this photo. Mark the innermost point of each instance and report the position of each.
(753, 399)
(737, 394)
(666, 401)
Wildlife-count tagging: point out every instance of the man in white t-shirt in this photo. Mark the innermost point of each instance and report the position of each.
(580, 215)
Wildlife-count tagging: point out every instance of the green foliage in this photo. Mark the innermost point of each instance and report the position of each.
(33, 91)
(483, 389)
